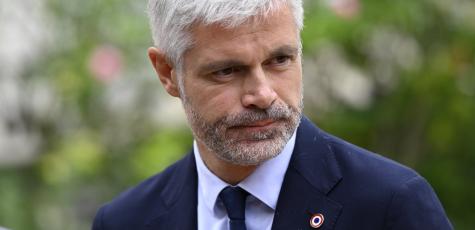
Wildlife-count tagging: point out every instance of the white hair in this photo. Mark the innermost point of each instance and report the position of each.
(171, 20)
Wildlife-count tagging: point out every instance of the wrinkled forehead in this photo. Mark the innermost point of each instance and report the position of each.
(250, 41)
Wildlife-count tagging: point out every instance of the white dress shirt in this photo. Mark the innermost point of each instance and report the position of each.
(263, 185)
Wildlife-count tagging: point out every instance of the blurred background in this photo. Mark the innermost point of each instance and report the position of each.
(83, 116)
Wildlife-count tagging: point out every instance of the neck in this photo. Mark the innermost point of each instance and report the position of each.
(228, 172)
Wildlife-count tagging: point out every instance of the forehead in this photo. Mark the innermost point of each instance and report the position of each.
(253, 36)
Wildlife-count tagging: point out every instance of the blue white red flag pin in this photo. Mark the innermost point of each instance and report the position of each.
(317, 220)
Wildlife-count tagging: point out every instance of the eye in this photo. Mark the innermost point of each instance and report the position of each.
(226, 72)
(281, 60)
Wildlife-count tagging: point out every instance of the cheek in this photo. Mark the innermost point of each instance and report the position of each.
(289, 89)
(215, 102)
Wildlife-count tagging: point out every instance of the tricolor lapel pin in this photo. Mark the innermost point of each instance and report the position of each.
(317, 220)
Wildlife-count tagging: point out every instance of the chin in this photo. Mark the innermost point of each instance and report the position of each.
(253, 152)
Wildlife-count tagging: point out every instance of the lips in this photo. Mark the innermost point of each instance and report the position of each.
(253, 132)
(256, 125)
(260, 123)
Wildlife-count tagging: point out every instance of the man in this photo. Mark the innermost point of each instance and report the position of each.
(257, 163)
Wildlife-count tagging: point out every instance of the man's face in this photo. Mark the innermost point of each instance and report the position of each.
(242, 88)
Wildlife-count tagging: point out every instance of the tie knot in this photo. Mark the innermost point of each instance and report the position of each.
(234, 200)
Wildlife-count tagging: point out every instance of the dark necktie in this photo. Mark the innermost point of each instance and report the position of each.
(234, 200)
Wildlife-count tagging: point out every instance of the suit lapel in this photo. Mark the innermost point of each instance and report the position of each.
(180, 198)
(312, 174)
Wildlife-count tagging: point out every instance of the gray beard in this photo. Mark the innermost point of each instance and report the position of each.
(227, 143)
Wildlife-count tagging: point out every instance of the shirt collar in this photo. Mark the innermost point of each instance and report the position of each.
(264, 183)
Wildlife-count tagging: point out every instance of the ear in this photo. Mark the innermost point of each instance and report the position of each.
(165, 71)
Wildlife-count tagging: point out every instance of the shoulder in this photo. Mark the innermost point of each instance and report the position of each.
(136, 205)
(376, 190)
(353, 163)
(363, 165)
(371, 177)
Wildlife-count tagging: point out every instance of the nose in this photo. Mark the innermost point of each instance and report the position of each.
(258, 91)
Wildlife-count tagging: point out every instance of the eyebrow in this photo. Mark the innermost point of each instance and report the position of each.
(217, 65)
(284, 50)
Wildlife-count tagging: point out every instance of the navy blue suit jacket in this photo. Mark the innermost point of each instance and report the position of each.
(351, 187)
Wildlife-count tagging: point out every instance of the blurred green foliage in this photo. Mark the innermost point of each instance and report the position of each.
(106, 137)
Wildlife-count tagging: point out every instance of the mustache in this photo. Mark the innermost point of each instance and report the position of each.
(250, 116)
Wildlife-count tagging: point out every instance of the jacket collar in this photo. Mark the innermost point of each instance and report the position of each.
(313, 172)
